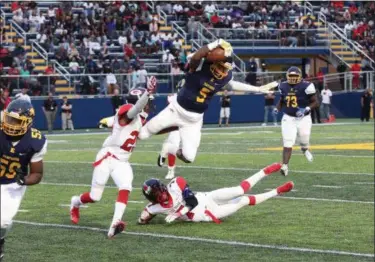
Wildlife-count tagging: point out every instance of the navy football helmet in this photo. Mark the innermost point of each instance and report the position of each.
(221, 69)
(18, 117)
(294, 75)
(155, 191)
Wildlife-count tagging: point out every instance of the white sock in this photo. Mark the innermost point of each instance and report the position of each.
(256, 178)
(264, 196)
(119, 212)
(76, 200)
(171, 168)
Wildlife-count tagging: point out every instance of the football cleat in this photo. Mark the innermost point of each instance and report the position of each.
(272, 168)
(161, 161)
(116, 228)
(308, 156)
(74, 212)
(284, 170)
(285, 188)
(170, 174)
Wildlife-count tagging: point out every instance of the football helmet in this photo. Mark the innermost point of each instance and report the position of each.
(155, 191)
(18, 117)
(133, 96)
(294, 75)
(220, 69)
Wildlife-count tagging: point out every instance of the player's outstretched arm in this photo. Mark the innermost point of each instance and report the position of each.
(238, 86)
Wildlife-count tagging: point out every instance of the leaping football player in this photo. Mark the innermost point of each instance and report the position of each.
(113, 159)
(178, 202)
(298, 98)
(202, 82)
(22, 149)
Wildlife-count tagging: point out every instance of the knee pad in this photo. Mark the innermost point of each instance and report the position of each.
(145, 133)
(288, 142)
(96, 193)
(189, 156)
(304, 141)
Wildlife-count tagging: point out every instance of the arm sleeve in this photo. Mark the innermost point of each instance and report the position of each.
(139, 106)
(189, 197)
(310, 89)
(39, 155)
(238, 86)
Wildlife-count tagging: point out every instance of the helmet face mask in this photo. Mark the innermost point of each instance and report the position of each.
(18, 118)
(294, 75)
(155, 191)
(221, 69)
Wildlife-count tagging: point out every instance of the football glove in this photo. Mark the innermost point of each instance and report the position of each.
(228, 50)
(20, 176)
(268, 88)
(151, 84)
(172, 217)
(303, 111)
(275, 111)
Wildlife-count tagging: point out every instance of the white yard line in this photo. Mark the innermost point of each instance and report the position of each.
(325, 186)
(204, 240)
(221, 168)
(296, 198)
(326, 200)
(214, 153)
(364, 183)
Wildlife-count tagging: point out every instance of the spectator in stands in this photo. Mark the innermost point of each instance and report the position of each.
(366, 103)
(66, 114)
(356, 70)
(49, 109)
(62, 55)
(326, 102)
(225, 108)
(50, 81)
(269, 101)
(178, 10)
(116, 100)
(167, 57)
(142, 75)
(14, 81)
(4, 99)
(74, 66)
(348, 29)
(341, 68)
(210, 9)
(122, 40)
(51, 14)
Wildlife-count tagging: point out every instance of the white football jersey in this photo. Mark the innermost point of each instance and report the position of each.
(175, 202)
(123, 139)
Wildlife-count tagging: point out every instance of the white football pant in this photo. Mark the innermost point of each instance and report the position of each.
(120, 171)
(172, 142)
(292, 127)
(11, 197)
(189, 124)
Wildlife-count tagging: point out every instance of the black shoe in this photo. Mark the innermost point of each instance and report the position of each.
(2, 241)
(161, 161)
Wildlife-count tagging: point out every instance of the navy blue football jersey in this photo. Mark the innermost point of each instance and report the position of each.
(199, 87)
(14, 156)
(296, 96)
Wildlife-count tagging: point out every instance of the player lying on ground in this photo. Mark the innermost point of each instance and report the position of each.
(113, 159)
(177, 201)
(201, 83)
(21, 159)
(297, 98)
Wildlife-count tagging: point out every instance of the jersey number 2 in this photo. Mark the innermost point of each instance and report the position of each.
(291, 101)
(129, 144)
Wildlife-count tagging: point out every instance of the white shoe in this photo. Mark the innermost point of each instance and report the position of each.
(170, 174)
(309, 156)
(284, 170)
(275, 124)
(116, 228)
(264, 124)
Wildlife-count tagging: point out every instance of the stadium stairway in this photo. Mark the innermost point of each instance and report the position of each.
(13, 35)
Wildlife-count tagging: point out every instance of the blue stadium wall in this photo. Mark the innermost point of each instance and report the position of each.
(245, 108)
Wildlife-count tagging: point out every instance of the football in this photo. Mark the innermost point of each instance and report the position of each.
(216, 55)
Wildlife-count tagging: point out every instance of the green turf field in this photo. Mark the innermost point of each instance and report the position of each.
(329, 216)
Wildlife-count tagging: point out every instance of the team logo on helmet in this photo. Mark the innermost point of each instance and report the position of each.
(146, 189)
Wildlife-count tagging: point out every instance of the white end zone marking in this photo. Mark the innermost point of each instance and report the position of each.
(206, 240)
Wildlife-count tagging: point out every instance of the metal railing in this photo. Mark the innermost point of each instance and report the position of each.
(205, 36)
(36, 47)
(102, 83)
(179, 31)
